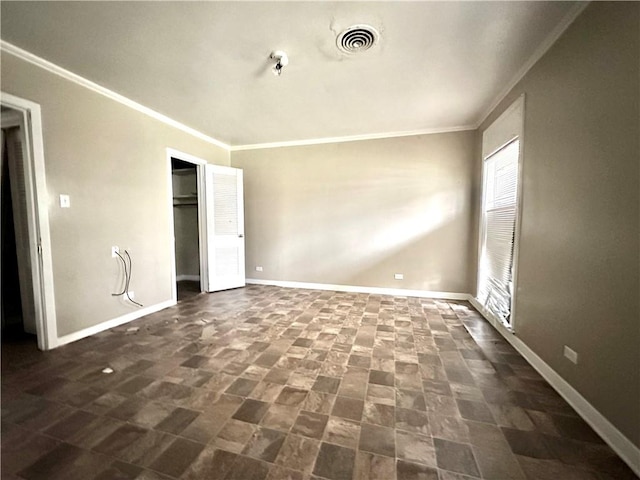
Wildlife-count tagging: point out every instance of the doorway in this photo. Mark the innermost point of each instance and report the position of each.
(184, 176)
(16, 300)
(207, 219)
(27, 302)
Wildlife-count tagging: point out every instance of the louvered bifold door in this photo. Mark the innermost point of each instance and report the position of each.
(225, 228)
(495, 287)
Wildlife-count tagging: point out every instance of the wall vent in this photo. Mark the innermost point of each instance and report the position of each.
(357, 38)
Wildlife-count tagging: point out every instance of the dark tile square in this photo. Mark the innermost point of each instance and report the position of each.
(147, 448)
(414, 421)
(326, 384)
(120, 471)
(177, 420)
(303, 342)
(477, 411)
(350, 408)
(278, 375)
(134, 385)
(128, 408)
(528, 444)
(359, 361)
(245, 468)
(66, 462)
(267, 359)
(175, 459)
(456, 457)
(413, 471)
(380, 440)
(242, 387)
(120, 440)
(379, 377)
(335, 462)
(71, 425)
(251, 411)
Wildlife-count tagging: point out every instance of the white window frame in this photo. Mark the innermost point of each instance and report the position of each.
(505, 129)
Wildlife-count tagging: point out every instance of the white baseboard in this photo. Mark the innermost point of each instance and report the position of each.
(609, 433)
(115, 322)
(192, 278)
(360, 289)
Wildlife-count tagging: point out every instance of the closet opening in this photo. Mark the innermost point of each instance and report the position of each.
(184, 181)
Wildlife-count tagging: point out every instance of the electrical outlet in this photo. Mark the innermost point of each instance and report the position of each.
(115, 251)
(399, 276)
(572, 355)
(258, 269)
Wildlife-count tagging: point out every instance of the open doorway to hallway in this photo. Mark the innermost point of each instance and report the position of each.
(17, 303)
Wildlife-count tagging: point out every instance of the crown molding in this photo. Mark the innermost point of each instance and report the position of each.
(539, 52)
(352, 138)
(18, 52)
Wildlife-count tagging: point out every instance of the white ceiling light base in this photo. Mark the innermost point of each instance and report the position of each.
(282, 60)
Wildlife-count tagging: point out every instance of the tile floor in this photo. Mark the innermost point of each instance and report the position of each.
(283, 384)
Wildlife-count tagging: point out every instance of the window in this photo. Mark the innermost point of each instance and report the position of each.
(499, 212)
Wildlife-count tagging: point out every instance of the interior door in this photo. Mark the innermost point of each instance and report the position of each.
(224, 212)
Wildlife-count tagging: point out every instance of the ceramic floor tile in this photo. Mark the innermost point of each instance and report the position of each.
(414, 471)
(456, 457)
(379, 440)
(264, 444)
(289, 384)
(335, 462)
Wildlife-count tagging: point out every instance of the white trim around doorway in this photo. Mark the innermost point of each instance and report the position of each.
(38, 220)
(199, 163)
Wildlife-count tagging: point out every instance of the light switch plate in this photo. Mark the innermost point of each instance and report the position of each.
(65, 201)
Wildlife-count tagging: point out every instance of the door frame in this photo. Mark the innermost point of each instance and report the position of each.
(37, 219)
(202, 231)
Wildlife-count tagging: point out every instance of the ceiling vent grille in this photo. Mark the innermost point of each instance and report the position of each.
(358, 38)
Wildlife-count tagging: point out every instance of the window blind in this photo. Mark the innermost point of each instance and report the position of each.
(495, 286)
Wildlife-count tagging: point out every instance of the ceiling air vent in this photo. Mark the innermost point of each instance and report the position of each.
(358, 38)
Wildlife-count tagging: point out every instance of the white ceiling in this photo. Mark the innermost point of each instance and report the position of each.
(438, 65)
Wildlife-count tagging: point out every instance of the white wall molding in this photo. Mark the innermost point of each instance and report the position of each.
(399, 292)
(77, 79)
(603, 427)
(115, 322)
(189, 278)
(539, 52)
(352, 138)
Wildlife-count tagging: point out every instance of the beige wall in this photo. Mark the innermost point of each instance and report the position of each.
(111, 160)
(355, 213)
(579, 259)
